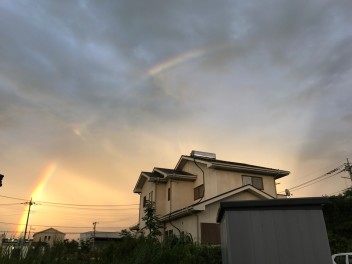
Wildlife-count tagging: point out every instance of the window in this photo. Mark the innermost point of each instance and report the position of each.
(144, 201)
(256, 182)
(150, 196)
(169, 233)
(199, 192)
(168, 194)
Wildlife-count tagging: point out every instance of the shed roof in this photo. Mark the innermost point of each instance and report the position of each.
(272, 204)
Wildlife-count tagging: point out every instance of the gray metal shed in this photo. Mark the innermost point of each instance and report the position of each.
(290, 231)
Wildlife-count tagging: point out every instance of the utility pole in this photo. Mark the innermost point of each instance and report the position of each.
(348, 168)
(29, 233)
(30, 203)
(1, 177)
(94, 226)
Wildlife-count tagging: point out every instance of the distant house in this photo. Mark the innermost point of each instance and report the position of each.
(187, 197)
(49, 236)
(100, 238)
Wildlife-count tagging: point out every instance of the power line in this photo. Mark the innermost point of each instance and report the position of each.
(14, 198)
(87, 205)
(90, 209)
(69, 204)
(318, 181)
(66, 233)
(315, 180)
(11, 214)
(315, 172)
(11, 204)
(62, 226)
(10, 223)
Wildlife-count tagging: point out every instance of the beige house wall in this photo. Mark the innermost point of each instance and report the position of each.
(192, 223)
(161, 198)
(49, 237)
(220, 181)
(181, 194)
(187, 224)
(148, 187)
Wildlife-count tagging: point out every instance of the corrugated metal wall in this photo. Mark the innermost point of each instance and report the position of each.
(284, 236)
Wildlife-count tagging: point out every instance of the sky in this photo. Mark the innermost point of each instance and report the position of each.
(94, 92)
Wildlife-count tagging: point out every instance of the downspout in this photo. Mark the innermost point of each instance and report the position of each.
(197, 214)
(139, 212)
(179, 231)
(155, 195)
(198, 240)
(155, 198)
(195, 162)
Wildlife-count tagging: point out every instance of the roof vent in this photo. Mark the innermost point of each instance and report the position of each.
(201, 154)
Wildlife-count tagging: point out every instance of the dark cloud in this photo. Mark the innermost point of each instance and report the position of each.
(75, 74)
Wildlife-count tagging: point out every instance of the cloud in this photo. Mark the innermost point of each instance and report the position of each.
(272, 78)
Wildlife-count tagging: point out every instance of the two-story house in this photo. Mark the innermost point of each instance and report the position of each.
(187, 197)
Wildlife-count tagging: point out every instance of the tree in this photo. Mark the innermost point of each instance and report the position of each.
(338, 219)
(152, 221)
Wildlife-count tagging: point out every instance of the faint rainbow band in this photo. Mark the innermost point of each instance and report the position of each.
(37, 192)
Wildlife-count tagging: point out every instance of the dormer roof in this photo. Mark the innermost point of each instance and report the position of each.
(162, 175)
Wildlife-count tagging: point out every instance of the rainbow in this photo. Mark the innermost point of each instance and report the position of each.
(164, 66)
(175, 61)
(37, 192)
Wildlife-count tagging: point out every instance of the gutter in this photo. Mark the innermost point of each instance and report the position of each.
(178, 214)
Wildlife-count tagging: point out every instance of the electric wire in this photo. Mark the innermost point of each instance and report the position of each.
(10, 204)
(90, 209)
(33, 225)
(323, 179)
(316, 179)
(87, 205)
(317, 171)
(69, 205)
(14, 198)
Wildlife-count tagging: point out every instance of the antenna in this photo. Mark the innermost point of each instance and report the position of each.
(287, 192)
